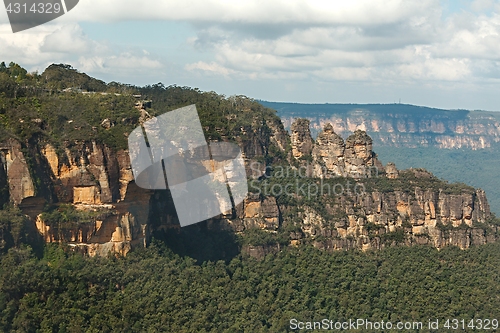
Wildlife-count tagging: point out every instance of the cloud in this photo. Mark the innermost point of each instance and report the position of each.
(478, 38)
(67, 43)
(68, 39)
(482, 5)
(24, 48)
(255, 12)
(125, 61)
(210, 68)
(371, 41)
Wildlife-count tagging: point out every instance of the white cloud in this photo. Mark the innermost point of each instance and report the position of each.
(69, 39)
(435, 69)
(479, 39)
(211, 68)
(481, 5)
(124, 61)
(67, 43)
(371, 41)
(250, 11)
(25, 47)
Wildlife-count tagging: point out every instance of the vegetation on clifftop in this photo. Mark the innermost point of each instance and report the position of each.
(62, 106)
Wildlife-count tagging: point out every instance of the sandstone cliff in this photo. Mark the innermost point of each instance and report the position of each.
(97, 182)
(394, 207)
(89, 176)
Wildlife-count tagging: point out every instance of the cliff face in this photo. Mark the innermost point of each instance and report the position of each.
(457, 145)
(302, 142)
(376, 220)
(20, 184)
(89, 176)
(97, 183)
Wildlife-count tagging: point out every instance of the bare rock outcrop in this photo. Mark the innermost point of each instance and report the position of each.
(328, 153)
(391, 171)
(302, 143)
(332, 156)
(256, 212)
(396, 127)
(86, 175)
(375, 220)
(16, 170)
(359, 155)
(92, 176)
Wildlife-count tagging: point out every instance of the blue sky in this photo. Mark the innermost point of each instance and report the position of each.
(439, 53)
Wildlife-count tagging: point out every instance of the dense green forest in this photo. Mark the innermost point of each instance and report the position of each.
(156, 290)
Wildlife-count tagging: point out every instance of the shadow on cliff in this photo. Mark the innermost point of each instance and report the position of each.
(205, 241)
(200, 242)
(17, 230)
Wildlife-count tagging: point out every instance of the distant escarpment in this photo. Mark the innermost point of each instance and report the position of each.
(65, 177)
(399, 125)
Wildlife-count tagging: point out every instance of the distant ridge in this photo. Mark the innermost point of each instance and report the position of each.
(343, 107)
(399, 123)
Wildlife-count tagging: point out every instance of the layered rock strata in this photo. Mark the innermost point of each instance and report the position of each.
(94, 178)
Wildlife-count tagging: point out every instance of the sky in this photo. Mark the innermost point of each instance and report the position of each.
(436, 53)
